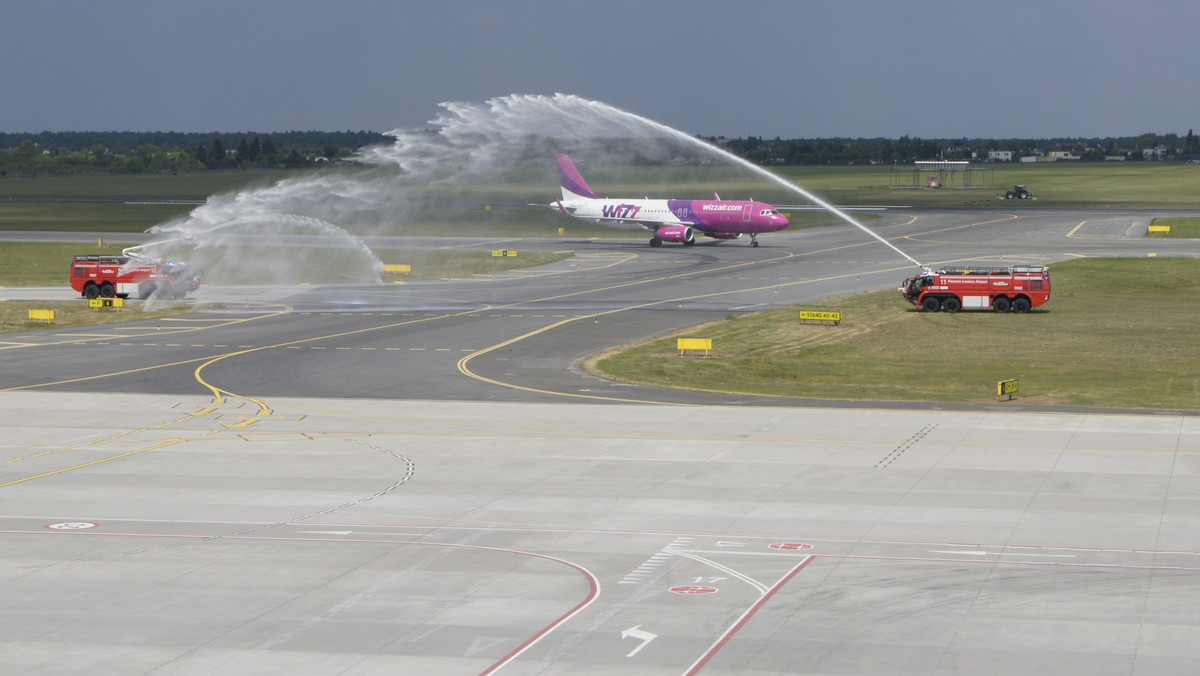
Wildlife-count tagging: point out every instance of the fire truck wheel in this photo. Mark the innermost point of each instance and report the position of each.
(91, 291)
(107, 290)
(1001, 304)
(931, 304)
(1021, 305)
(952, 304)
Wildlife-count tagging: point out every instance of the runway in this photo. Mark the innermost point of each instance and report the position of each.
(418, 477)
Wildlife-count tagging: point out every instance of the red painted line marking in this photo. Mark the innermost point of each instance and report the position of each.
(745, 618)
(593, 593)
(593, 581)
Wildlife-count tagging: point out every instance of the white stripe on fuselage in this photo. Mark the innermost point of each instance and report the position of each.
(650, 214)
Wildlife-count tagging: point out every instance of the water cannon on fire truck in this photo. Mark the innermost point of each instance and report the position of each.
(1018, 288)
(99, 276)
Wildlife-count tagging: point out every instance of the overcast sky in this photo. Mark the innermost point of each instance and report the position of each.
(798, 68)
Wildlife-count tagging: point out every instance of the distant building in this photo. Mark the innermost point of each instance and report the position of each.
(1000, 155)
(1155, 153)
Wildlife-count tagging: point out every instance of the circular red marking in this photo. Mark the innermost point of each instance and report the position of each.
(72, 525)
(790, 545)
(693, 589)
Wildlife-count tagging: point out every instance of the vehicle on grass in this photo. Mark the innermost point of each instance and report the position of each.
(1018, 192)
(669, 220)
(97, 276)
(1018, 289)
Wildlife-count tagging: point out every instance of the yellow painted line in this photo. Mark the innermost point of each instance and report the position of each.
(219, 394)
(244, 423)
(103, 375)
(465, 369)
(164, 444)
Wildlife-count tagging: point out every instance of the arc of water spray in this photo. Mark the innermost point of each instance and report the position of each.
(691, 140)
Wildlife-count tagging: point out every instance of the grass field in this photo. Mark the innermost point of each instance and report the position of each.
(462, 210)
(47, 264)
(14, 315)
(1181, 227)
(1116, 184)
(1098, 342)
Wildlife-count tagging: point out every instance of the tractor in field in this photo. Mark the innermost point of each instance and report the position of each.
(1018, 192)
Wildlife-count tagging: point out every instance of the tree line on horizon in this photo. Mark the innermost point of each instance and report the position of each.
(162, 152)
(910, 149)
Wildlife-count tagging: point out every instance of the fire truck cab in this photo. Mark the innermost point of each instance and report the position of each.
(1019, 289)
(108, 276)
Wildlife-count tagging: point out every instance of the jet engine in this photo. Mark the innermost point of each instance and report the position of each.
(725, 235)
(676, 233)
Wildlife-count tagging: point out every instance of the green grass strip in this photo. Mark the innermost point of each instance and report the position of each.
(1116, 333)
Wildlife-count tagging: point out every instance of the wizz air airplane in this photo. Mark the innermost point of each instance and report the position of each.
(669, 220)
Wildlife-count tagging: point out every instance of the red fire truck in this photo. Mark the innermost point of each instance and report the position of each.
(108, 276)
(1018, 288)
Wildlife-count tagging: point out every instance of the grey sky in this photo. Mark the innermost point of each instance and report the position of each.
(934, 68)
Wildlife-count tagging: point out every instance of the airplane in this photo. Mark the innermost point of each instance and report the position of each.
(669, 220)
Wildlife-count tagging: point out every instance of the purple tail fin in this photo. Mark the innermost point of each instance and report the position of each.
(573, 185)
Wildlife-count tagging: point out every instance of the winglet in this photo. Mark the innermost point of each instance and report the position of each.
(716, 196)
(573, 185)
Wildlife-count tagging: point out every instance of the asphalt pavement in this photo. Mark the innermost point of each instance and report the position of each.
(417, 476)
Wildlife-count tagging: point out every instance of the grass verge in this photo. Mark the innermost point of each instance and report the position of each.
(1102, 341)
(1181, 228)
(48, 263)
(14, 315)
